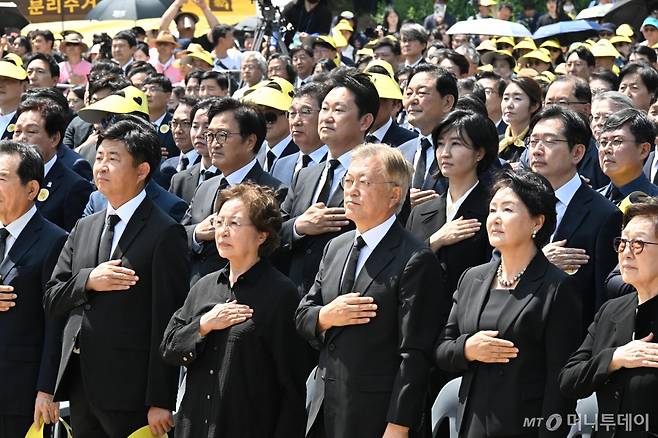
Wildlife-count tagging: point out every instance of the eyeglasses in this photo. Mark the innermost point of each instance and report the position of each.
(219, 222)
(549, 142)
(348, 182)
(271, 117)
(219, 136)
(304, 113)
(185, 124)
(637, 246)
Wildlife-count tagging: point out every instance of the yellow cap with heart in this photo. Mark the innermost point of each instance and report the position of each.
(381, 63)
(138, 96)
(10, 70)
(110, 105)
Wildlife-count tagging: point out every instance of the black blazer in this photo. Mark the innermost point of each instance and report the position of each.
(75, 162)
(119, 333)
(397, 135)
(625, 390)
(167, 138)
(77, 132)
(591, 222)
(184, 183)
(372, 374)
(30, 342)
(542, 320)
(168, 170)
(203, 205)
(300, 258)
(428, 217)
(8, 134)
(68, 194)
(590, 168)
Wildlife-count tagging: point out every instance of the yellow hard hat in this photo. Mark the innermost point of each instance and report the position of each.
(138, 96)
(386, 86)
(381, 63)
(12, 57)
(604, 49)
(625, 30)
(527, 44)
(203, 56)
(270, 95)
(130, 101)
(621, 39)
(537, 54)
(552, 43)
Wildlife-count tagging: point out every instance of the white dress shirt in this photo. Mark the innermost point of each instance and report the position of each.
(339, 173)
(453, 207)
(277, 150)
(125, 212)
(191, 155)
(239, 175)
(316, 157)
(430, 154)
(564, 195)
(16, 228)
(49, 165)
(212, 169)
(158, 122)
(372, 237)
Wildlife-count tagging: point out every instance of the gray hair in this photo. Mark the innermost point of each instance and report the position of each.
(398, 170)
(258, 57)
(414, 31)
(618, 100)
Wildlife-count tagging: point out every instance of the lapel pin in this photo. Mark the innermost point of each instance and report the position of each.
(43, 195)
(164, 128)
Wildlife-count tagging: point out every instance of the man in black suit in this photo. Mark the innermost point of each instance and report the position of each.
(587, 223)
(235, 133)
(385, 129)
(373, 372)
(64, 193)
(14, 80)
(313, 210)
(157, 88)
(431, 93)
(121, 275)
(185, 182)
(180, 124)
(29, 247)
(274, 102)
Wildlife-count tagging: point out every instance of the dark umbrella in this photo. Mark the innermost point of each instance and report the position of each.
(10, 16)
(128, 9)
(568, 32)
(631, 12)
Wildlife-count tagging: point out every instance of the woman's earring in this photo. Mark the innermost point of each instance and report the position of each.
(534, 234)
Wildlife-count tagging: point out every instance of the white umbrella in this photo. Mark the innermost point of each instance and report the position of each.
(489, 26)
(597, 11)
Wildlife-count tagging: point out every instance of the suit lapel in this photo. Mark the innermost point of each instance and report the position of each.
(624, 321)
(480, 287)
(51, 182)
(134, 226)
(524, 291)
(575, 214)
(290, 149)
(337, 198)
(379, 259)
(25, 241)
(437, 216)
(314, 175)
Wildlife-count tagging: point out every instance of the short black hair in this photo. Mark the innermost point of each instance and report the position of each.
(362, 89)
(103, 67)
(45, 33)
(250, 120)
(140, 67)
(194, 74)
(585, 54)
(54, 116)
(54, 95)
(388, 42)
(30, 167)
(638, 122)
(537, 195)
(111, 82)
(531, 88)
(581, 89)
(219, 77)
(142, 47)
(647, 74)
(574, 126)
(126, 35)
(478, 128)
(472, 103)
(645, 51)
(316, 90)
(138, 31)
(140, 138)
(457, 58)
(220, 31)
(501, 84)
(446, 82)
(470, 85)
(608, 76)
(53, 67)
(296, 49)
(160, 80)
(203, 104)
(290, 71)
(186, 100)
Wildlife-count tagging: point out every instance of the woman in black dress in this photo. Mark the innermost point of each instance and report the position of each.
(514, 321)
(236, 334)
(453, 224)
(619, 357)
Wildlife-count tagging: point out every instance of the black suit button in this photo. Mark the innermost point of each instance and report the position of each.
(87, 307)
(617, 395)
(501, 373)
(308, 251)
(332, 347)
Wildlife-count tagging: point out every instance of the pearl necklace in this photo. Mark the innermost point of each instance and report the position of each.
(506, 283)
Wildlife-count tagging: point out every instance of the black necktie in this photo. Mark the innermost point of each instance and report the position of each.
(421, 166)
(3, 243)
(105, 246)
(655, 179)
(371, 139)
(349, 274)
(207, 174)
(184, 162)
(223, 183)
(306, 159)
(615, 195)
(270, 160)
(326, 188)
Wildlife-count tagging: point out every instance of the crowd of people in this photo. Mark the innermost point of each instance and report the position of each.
(314, 237)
